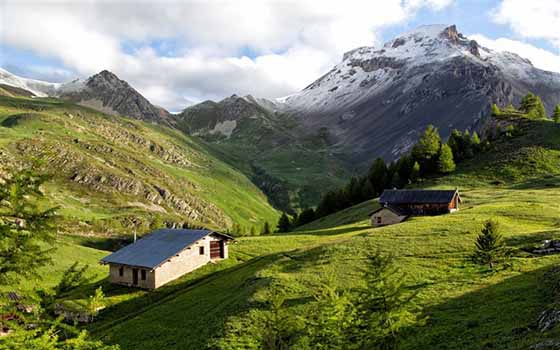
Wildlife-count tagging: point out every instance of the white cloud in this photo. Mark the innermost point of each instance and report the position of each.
(266, 48)
(540, 58)
(531, 19)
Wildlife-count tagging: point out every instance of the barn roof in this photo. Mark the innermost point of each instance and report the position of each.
(155, 248)
(394, 209)
(417, 196)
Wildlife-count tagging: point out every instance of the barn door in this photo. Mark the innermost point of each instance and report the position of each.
(216, 250)
(135, 276)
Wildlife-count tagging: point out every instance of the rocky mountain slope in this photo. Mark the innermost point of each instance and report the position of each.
(291, 167)
(377, 100)
(112, 174)
(374, 103)
(104, 92)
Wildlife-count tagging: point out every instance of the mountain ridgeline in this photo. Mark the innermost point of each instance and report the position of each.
(375, 103)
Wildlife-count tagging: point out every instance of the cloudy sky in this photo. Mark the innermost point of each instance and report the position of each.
(180, 52)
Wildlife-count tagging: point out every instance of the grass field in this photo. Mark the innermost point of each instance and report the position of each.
(467, 306)
(479, 307)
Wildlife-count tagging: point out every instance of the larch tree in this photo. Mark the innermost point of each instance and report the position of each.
(556, 114)
(425, 152)
(445, 163)
(495, 110)
(27, 233)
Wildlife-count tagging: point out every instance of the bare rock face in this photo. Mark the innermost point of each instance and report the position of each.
(432, 75)
(107, 93)
(450, 33)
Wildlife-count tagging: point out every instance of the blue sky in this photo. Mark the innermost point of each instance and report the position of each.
(180, 52)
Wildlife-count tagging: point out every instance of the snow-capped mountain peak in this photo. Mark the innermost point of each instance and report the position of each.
(369, 70)
(377, 99)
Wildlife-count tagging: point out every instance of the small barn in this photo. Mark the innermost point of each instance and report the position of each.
(397, 205)
(165, 255)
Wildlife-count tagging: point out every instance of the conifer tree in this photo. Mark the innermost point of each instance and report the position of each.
(378, 176)
(495, 110)
(415, 172)
(266, 228)
(468, 151)
(329, 323)
(384, 305)
(306, 216)
(445, 163)
(425, 152)
(475, 141)
(556, 114)
(284, 224)
(455, 141)
(26, 231)
(533, 106)
(510, 109)
(489, 244)
(354, 191)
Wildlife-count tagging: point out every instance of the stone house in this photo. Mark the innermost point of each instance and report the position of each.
(165, 255)
(397, 205)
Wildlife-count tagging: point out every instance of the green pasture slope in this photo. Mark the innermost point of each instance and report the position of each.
(466, 305)
(118, 156)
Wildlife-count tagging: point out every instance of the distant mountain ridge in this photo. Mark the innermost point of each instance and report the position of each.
(103, 91)
(374, 103)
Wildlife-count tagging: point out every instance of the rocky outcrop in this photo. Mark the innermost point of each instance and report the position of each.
(109, 94)
(102, 169)
(370, 65)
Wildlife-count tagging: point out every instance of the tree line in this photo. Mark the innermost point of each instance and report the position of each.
(530, 106)
(429, 156)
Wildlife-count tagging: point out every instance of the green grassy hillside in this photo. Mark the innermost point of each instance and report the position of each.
(467, 306)
(113, 174)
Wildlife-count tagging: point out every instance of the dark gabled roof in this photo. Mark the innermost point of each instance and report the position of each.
(416, 196)
(155, 248)
(394, 209)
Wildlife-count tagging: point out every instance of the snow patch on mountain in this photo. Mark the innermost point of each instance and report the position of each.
(368, 71)
(40, 88)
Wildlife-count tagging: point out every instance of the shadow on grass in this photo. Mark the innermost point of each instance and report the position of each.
(109, 244)
(500, 316)
(139, 306)
(531, 240)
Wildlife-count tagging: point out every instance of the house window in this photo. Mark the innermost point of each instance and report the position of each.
(378, 219)
(121, 271)
(143, 275)
(201, 250)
